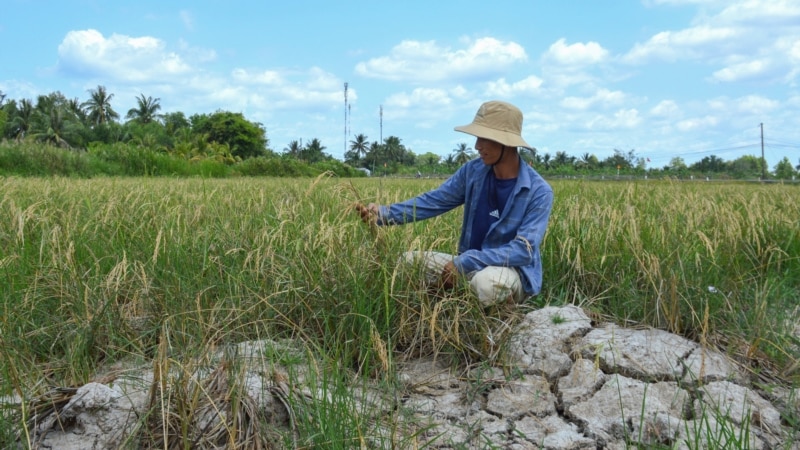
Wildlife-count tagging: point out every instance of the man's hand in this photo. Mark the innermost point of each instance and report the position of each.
(369, 213)
(449, 275)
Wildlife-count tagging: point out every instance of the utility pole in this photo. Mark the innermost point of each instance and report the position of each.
(763, 161)
(381, 124)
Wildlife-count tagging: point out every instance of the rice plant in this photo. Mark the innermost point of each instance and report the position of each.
(97, 271)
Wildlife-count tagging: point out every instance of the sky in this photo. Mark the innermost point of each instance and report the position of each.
(664, 78)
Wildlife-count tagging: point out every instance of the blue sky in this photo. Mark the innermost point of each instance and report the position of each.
(665, 78)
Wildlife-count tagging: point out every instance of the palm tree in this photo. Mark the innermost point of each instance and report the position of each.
(462, 154)
(562, 159)
(23, 121)
(374, 156)
(313, 151)
(146, 110)
(73, 106)
(394, 149)
(294, 149)
(98, 107)
(56, 129)
(359, 146)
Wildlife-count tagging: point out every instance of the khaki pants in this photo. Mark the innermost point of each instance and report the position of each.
(491, 285)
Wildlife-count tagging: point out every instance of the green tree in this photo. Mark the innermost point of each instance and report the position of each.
(562, 159)
(313, 152)
(98, 108)
(462, 154)
(784, 169)
(246, 139)
(151, 135)
(57, 129)
(375, 156)
(146, 110)
(711, 163)
(429, 159)
(294, 149)
(175, 121)
(3, 114)
(75, 109)
(746, 166)
(23, 120)
(587, 161)
(620, 160)
(360, 146)
(677, 164)
(393, 148)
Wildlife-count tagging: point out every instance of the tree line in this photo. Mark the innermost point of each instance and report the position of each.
(229, 138)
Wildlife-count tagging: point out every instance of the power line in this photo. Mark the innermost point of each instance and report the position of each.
(775, 143)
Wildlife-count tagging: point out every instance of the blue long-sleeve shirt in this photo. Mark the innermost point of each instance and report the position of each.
(512, 241)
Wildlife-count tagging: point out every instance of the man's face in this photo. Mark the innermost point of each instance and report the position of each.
(489, 151)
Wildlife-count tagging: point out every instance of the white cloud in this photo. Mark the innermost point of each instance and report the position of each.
(746, 40)
(118, 57)
(697, 123)
(665, 108)
(417, 61)
(420, 97)
(761, 13)
(314, 88)
(603, 98)
(502, 88)
(578, 54)
(755, 104)
(691, 43)
(265, 77)
(742, 71)
(621, 119)
(426, 107)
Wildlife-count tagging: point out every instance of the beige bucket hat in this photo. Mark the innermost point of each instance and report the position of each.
(497, 121)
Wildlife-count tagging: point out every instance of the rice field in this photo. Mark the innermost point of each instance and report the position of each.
(96, 271)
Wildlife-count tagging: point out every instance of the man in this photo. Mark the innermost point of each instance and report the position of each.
(506, 209)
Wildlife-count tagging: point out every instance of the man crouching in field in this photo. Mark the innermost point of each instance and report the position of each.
(506, 209)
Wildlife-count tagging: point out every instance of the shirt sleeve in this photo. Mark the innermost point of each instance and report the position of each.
(446, 197)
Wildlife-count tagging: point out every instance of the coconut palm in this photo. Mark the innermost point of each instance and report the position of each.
(359, 146)
(146, 110)
(462, 154)
(56, 129)
(394, 149)
(313, 151)
(73, 107)
(23, 121)
(98, 107)
(293, 149)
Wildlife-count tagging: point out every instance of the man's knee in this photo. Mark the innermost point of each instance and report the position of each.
(496, 284)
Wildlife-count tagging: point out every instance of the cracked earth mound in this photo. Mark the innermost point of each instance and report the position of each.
(571, 385)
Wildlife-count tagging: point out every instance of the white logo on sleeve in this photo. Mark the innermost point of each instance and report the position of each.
(495, 214)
